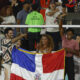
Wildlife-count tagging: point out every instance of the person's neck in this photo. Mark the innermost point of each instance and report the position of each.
(25, 10)
(45, 46)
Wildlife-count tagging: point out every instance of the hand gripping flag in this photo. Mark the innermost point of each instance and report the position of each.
(27, 66)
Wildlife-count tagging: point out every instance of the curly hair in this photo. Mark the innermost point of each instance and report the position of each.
(50, 42)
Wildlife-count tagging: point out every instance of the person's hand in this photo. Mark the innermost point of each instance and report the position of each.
(24, 35)
(57, 9)
(67, 49)
(18, 44)
(14, 2)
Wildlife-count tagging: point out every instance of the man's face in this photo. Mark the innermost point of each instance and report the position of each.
(26, 7)
(10, 34)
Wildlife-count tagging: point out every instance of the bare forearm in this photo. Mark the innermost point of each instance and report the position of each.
(51, 13)
(61, 28)
(75, 52)
(18, 38)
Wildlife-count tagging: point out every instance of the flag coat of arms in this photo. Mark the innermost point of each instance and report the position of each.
(27, 66)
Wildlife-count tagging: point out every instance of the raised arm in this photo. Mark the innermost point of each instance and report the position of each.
(61, 28)
(19, 37)
(52, 12)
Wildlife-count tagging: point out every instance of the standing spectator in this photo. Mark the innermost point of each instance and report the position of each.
(63, 15)
(7, 15)
(21, 16)
(72, 48)
(51, 19)
(51, 14)
(34, 18)
(7, 45)
(17, 6)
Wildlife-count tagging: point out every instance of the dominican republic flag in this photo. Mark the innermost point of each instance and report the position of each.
(29, 66)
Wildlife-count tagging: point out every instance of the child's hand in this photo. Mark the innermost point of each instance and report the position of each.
(18, 44)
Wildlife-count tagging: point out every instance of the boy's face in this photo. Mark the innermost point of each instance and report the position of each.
(63, 10)
(18, 44)
(69, 35)
(52, 5)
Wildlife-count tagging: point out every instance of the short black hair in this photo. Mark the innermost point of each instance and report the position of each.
(7, 30)
(35, 6)
(70, 29)
(25, 2)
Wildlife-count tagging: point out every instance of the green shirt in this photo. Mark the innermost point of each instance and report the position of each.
(34, 18)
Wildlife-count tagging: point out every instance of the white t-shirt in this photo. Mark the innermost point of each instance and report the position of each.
(9, 19)
(2, 76)
(51, 20)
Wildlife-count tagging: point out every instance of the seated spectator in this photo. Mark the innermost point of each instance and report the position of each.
(46, 44)
(7, 15)
(7, 45)
(34, 18)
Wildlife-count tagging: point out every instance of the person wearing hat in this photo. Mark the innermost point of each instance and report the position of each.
(34, 18)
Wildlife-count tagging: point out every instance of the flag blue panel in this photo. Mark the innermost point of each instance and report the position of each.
(23, 59)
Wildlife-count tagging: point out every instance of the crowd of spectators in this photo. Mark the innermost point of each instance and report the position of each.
(37, 12)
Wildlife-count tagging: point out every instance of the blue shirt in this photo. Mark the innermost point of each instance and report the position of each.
(22, 16)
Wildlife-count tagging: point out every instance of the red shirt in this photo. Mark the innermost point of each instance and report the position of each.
(72, 44)
(44, 4)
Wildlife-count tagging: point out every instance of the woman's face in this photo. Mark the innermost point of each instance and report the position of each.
(52, 6)
(8, 11)
(44, 40)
